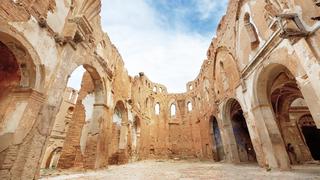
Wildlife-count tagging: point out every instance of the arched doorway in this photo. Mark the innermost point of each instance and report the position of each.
(120, 119)
(283, 106)
(21, 100)
(17, 76)
(288, 104)
(119, 146)
(241, 133)
(216, 139)
(53, 158)
(85, 94)
(284, 94)
(136, 132)
(116, 126)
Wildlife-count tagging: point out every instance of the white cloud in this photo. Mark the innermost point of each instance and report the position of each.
(171, 57)
(206, 8)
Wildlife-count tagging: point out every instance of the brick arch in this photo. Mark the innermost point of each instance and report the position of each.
(20, 83)
(81, 144)
(55, 152)
(216, 139)
(264, 77)
(189, 100)
(120, 106)
(274, 149)
(123, 139)
(172, 102)
(275, 89)
(136, 136)
(10, 73)
(32, 73)
(226, 72)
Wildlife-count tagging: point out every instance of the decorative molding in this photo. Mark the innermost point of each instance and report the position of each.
(90, 9)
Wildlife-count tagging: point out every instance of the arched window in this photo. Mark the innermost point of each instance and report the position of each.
(155, 89)
(251, 30)
(189, 105)
(117, 117)
(157, 109)
(190, 87)
(173, 110)
(70, 110)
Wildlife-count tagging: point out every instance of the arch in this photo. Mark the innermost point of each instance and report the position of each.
(189, 106)
(10, 72)
(17, 68)
(122, 125)
(47, 156)
(91, 89)
(119, 113)
(216, 60)
(262, 82)
(226, 74)
(32, 71)
(157, 109)
(276, 89)
(244, 147)
(94, 74)
(251, 30)
(86, 122)
(160, 89)
(53, 158)
(216, 139)
(21, 84)
(70, 110)
(136, 135)
(274, 149)
(173, 109)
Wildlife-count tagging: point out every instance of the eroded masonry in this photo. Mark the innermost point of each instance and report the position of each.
(256, 98)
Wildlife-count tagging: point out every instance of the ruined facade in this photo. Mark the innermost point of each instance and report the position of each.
(256, 98)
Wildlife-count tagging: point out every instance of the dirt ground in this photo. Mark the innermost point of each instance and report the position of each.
(187, 170)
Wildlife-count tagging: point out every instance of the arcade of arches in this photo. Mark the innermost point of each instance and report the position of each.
(255, 100)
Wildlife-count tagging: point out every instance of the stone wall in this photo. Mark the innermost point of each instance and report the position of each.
(257, 43)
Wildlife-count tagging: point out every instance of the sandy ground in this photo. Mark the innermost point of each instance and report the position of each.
(187, 170)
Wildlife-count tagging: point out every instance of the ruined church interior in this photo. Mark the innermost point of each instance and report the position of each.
(252, 112)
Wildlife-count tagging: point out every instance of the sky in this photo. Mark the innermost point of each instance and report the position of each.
(165, 39)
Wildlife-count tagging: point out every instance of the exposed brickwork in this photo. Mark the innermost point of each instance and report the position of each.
(71, 154)
(259, 86)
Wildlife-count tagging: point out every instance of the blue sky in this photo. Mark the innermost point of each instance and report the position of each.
(166, 39)
(199, 16)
